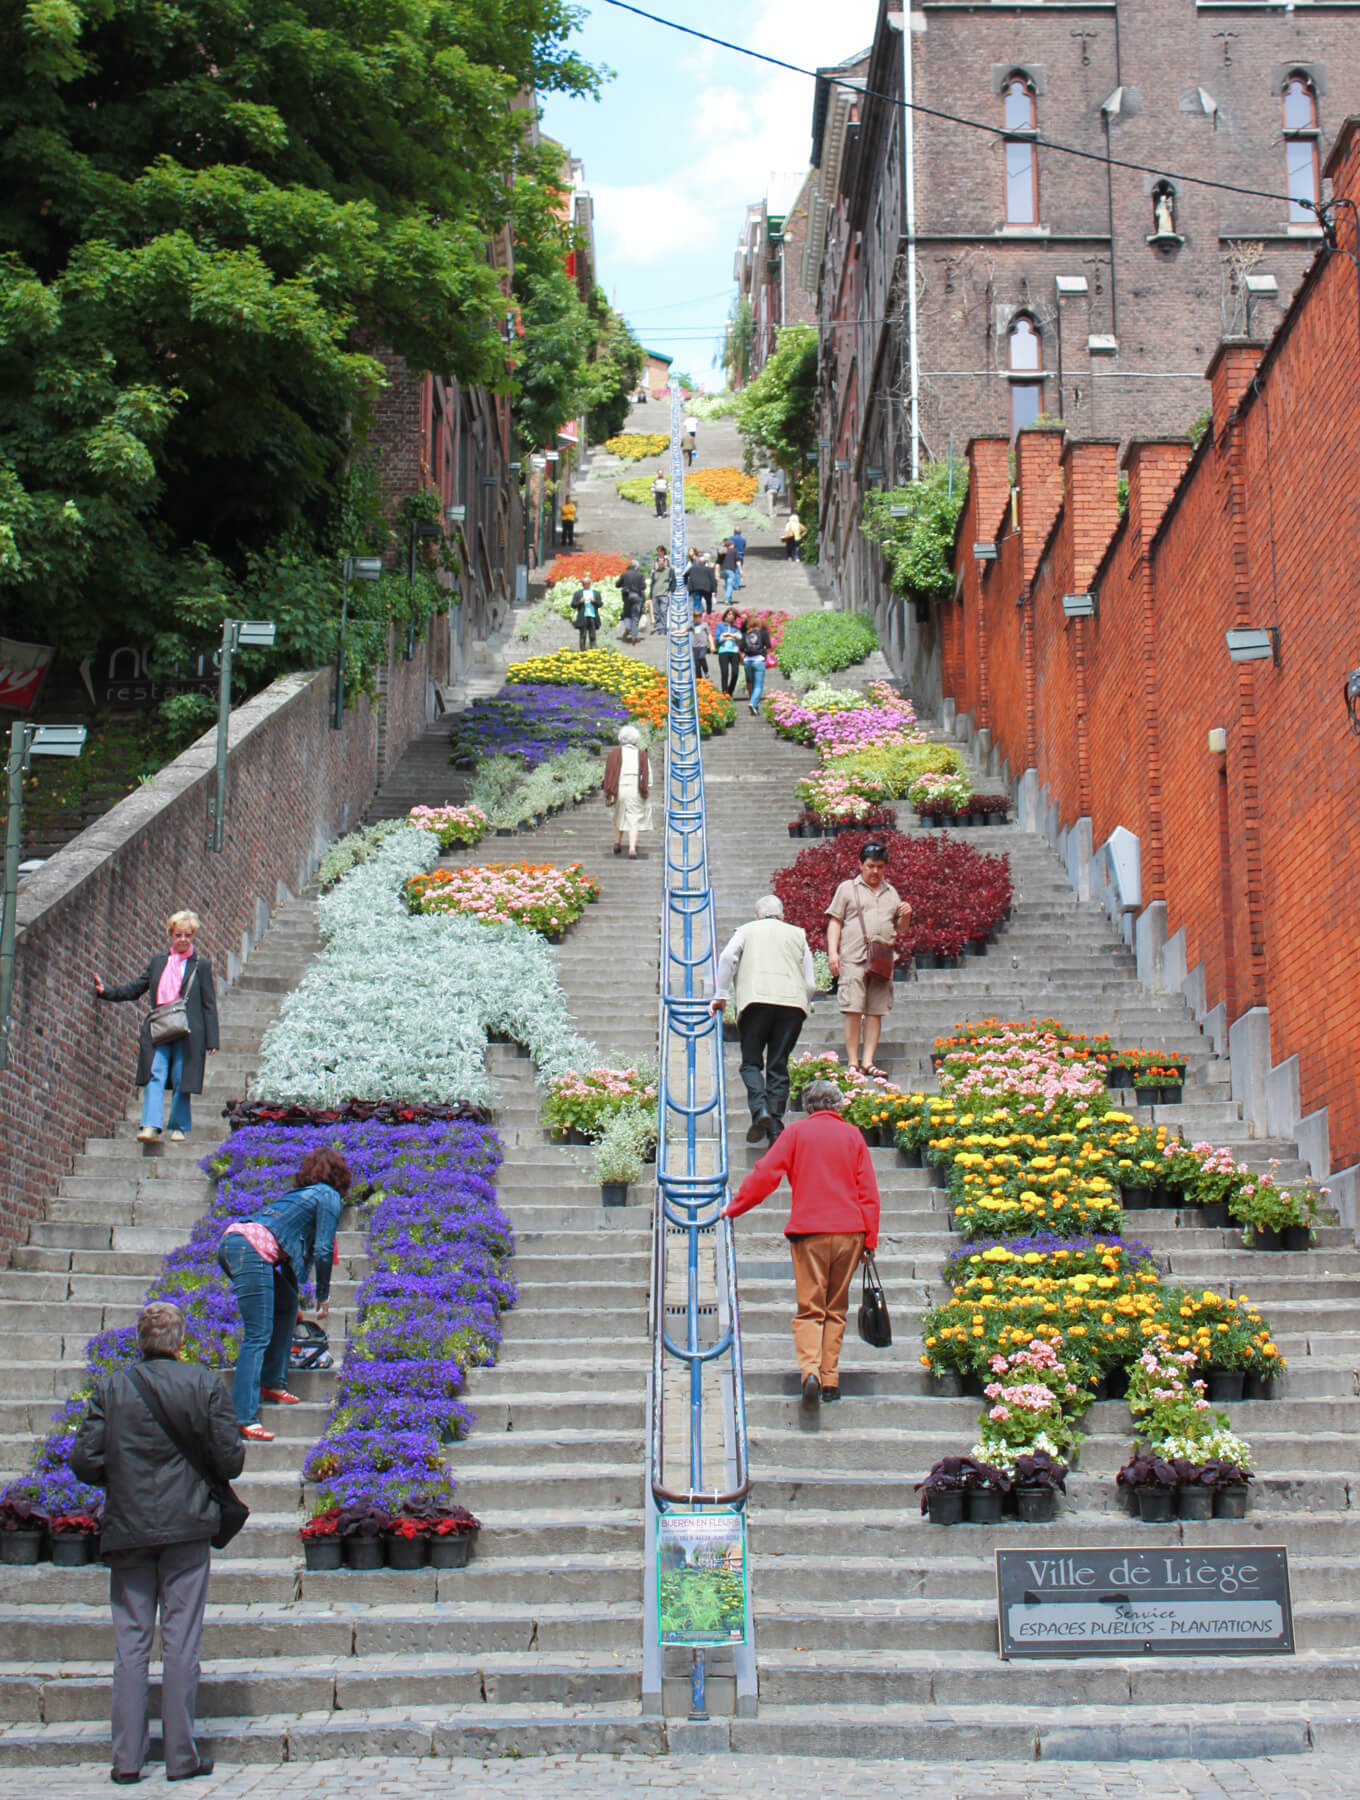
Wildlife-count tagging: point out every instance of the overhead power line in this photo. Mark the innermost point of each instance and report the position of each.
(934, 112)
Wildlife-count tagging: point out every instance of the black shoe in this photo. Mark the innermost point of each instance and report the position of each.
(205, 1767)
(830, 1396)
(811, 1389)
(757, 1128)
(773, 1126)
(124, 1780)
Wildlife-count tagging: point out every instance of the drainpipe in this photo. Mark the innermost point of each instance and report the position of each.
(909, 151)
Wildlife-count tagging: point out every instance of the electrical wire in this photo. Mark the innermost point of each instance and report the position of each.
(933, 112)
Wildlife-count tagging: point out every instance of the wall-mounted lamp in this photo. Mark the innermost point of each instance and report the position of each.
(899, 512)
(456, 515)
(842, 462)
(1079, 606)
(1251, 643)
(1218, 741)
(984, 552)
(1067, 285)
(1260, 284)
(874, 474)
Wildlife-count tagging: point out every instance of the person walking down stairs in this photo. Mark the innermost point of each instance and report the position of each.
(569, 523)
(178, 1034)
(586, 609)
(159, 1522)
(833, 1224)
(660, 491)
(767, 966)
(862, 922)
(627, 777)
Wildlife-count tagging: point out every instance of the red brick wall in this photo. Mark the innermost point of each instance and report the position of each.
(100, 904)
(1255, 852)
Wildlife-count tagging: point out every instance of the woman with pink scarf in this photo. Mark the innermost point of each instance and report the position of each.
(180, 973)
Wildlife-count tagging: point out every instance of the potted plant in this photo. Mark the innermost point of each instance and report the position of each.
(1229, 1483)
(795, 828)
(362, 1530)
(408, 1543)
(1195, 1494)
(22, 1527)
(942, 1492)
(985, 1493)
(74, 1539)
(621, 1150)
(321, 1545)
(1275, 1217)
(454, 1538)
(1147, 1483)
(1038, 1480)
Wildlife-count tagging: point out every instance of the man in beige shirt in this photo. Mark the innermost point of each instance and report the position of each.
(865, 910)
(768, 967)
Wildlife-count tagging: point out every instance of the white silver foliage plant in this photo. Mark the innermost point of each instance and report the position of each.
(399, 1006)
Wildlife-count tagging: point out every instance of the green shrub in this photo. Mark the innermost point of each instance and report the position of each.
(825, 641)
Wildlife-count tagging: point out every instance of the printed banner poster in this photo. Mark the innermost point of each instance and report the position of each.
(701, 1578)
(23, 668)
(1191, 1600)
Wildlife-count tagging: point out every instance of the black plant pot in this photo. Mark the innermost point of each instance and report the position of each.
(1226, 1384)
(975, 947)
(949, 1386)
(576, 1136)
(982, 1506)
(1147, 1096)
(973, 1384)
(1259, 1387)
(1036, 1505)
(407, 1553)
(72, 1549)
(1194, 1501)
(909, 1156)
(944, 1506)
(505, 831)
(1116, 1078)
(924, 960)
(1115, 1383)
(870, 1134)
(939, 1175)
(795, 831)
(1214, 1216)
(365, 1553)
(812, 831)
(1135, 1198)
(24, 1547)
(322, 1553)
(1156, 1505)
(614, 1193)
(453, 1551)
(901, 971)
(1231, 1502)
(1296, 1237)
(1263, 1238)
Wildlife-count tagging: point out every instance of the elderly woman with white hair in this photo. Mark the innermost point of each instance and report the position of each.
(626, 781)
(767, 967)
(179, 1033)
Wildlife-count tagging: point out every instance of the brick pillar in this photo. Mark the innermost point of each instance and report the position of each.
(1091, 500)
(989, 486)
(1154, 471)
(1038, 458)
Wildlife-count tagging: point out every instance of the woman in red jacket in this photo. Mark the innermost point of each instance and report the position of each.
(833, 1222)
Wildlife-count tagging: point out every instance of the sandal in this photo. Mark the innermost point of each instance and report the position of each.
(256, 1433)
(280, 1397)
(874, 1073)
(618, 849)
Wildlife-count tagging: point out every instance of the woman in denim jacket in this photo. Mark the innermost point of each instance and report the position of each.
(268, 1257)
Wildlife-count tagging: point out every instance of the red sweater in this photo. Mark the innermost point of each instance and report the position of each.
(830, 1172)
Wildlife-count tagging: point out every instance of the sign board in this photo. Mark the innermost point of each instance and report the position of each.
(23, 668)
(1212, 1600)
(701, 1586)
(119, 676)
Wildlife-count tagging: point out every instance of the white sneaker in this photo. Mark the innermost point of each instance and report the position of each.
(149, 1135)
(176, 1137)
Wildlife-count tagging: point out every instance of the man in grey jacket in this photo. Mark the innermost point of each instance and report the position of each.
(159, 1520)
(768, 967)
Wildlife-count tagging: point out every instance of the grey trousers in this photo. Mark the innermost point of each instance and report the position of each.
(174, 1579)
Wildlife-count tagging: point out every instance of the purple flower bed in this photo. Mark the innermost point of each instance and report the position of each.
(1084, 1252)
(438, 1242)
(532, 722)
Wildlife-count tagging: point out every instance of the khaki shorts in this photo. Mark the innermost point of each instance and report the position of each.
(857, 994)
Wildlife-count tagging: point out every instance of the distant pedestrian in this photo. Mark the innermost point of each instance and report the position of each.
(627, 777)
(755, 647)
(702, 642)
(730, 566)
(267, 1258)
(833, 1222)
(181, 973)
(660, 587)
(586, 607)
(727, 640)
(691, 438)
(568, 522)
(864, 912)
(633, 587)
(739, 545)
(159, 1523)
(792, 537)
(702, 585)
(766, 966)
(660, 494)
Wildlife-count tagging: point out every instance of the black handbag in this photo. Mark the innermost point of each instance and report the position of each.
(875, 1327)
(311, 1347)
(233, 1508)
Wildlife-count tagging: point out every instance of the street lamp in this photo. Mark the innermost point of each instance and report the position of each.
(237, 634)
(25, 741)
(353, 568)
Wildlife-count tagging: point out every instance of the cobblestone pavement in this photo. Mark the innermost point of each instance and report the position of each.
(1330, 1777)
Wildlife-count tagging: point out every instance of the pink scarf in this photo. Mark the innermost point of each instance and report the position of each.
(172, 979)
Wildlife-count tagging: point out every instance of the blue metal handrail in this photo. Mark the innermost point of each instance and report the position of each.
(692, 1166)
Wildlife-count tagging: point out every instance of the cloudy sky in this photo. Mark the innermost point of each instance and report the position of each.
(683, 138)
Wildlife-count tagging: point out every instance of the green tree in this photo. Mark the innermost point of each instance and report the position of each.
(616, 363)
(918, 544)
(209, 215)
(551, 358)
(736, 356)
(778, 412)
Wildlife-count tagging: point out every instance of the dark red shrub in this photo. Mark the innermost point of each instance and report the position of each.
(955, 893)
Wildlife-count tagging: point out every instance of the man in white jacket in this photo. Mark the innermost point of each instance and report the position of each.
(768, 968)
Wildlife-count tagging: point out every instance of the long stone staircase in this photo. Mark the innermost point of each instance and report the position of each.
(876, 1632)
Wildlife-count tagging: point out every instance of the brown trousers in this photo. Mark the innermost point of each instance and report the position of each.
(824, 1265)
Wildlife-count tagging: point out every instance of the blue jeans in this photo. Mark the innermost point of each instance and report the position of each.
(167, 1065)
(268, 1302)
(755, 679)
(732, 579)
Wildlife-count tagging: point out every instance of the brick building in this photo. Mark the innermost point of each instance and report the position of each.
(770, 267)
(1210, 802)
(1013, 281)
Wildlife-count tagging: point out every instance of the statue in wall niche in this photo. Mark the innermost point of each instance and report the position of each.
(1164, 211)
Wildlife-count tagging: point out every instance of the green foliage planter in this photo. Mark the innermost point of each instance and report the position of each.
(918, 545)
(823, 642)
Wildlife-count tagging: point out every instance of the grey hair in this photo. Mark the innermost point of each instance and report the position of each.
(628, 734)
(769, 906)
(160, 1329)
(822, 1096)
